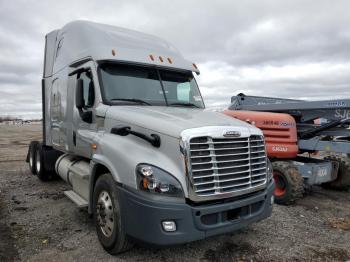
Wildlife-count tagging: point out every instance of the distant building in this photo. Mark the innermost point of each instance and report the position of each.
(19, 121)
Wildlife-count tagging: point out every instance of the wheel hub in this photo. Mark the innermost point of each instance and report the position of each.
(280, 184)
(105, 213)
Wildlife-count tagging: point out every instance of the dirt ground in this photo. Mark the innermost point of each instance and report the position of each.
(38, 223)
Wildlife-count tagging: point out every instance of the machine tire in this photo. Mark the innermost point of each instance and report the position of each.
(31, 156)
(342, 182)
(106, 195)
(41, 172)
(289, 184)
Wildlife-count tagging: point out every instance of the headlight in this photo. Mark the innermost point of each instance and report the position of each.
(155, 180)
(269, 170)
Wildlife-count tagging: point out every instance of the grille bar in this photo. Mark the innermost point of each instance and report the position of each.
(222, 181)
(225, 165)
(213, 155)
(223, 187)
(222, 161)
(214, 143)
(226, 148)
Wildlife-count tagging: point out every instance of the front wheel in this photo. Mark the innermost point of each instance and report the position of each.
(289, 184)
(108, 217)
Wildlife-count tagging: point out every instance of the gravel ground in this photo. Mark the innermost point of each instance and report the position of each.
(37, 223)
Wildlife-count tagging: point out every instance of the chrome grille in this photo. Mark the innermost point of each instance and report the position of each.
(226, 165)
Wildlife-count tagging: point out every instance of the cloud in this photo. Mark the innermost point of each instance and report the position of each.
(309, 81)
(296, 49)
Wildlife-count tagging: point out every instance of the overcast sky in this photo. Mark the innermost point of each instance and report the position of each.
(292, 49)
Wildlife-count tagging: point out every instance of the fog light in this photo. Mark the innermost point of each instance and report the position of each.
(272, 199)
(169, 226)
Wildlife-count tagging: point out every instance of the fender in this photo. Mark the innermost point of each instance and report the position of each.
(121, 154)
(98, 159)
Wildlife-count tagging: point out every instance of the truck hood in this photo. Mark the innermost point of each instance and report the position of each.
(172, 120)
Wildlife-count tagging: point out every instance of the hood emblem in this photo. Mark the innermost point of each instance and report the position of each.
(232, 134)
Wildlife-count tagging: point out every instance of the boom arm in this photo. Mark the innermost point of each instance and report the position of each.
(305, 110)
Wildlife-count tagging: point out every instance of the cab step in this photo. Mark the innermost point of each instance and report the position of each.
(78, 200)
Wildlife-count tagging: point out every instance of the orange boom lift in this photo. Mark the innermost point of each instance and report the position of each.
(295, 131)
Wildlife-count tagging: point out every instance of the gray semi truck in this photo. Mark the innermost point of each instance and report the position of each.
(124, 124)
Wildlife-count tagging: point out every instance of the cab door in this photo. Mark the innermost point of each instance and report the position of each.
(83, 130)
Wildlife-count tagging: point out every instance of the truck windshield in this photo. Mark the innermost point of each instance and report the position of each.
(127, 84)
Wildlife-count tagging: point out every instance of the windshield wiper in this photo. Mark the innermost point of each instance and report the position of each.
(184, 104)
(139, 101)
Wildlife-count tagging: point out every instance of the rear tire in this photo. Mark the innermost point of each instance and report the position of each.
(31, 156)
(40, 167)
(107, 216)
(342, 182)
(289, 184)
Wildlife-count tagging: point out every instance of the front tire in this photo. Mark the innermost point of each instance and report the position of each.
(107, 216)
(289, 184)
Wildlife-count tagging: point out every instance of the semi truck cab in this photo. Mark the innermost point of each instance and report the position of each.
(125, 125)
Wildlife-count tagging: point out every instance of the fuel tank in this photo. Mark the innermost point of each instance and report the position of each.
(279, 131)
(76, 172)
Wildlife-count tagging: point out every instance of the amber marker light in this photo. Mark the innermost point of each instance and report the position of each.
(145, 183)
(152, 58)
(94, 146)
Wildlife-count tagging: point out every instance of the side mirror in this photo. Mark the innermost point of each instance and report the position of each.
(79, 94)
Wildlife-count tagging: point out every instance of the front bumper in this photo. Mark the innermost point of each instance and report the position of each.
(142, 217)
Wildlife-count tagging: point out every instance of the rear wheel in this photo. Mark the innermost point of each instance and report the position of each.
(289, 184)
(31, 156)
(40, 167)
(108, 217)
(342, 182)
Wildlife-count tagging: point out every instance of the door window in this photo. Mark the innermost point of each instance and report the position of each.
(89, 94)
